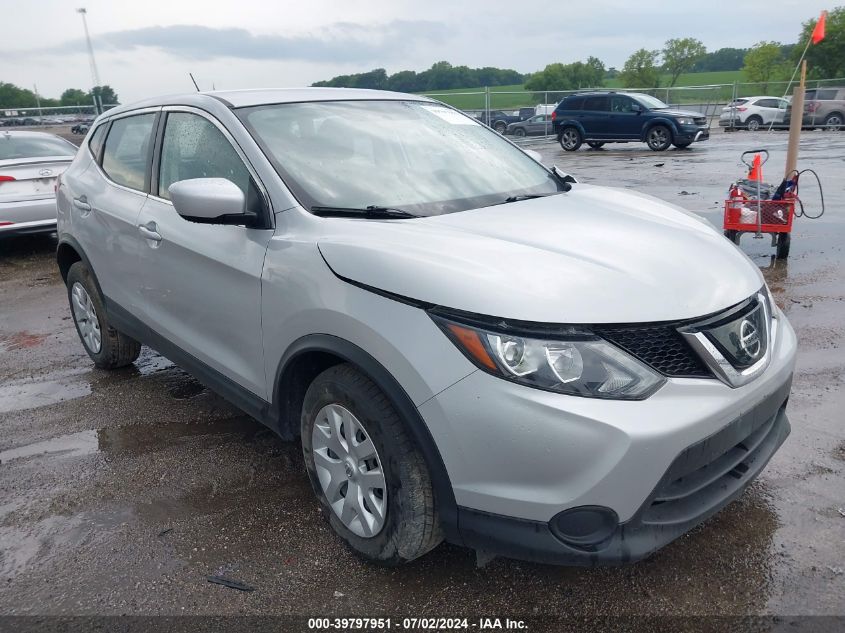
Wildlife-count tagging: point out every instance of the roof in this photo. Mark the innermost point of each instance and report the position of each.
(254, 97)
(244, 98)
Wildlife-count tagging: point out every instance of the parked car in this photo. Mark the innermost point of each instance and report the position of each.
(754, 112)
(823, 107)
(499, 119)
(616, 117)
(467, 344)
(80, 128)
(30, 162)
(539, 124)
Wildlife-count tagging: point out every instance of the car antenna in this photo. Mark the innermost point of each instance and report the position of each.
(194, 80)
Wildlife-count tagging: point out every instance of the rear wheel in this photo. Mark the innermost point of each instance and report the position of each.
(371, 481)
(784, 240)
(570, 139)
(659, 138)
(753, 123)
(595, 144)
(500, 126)
(108, 348)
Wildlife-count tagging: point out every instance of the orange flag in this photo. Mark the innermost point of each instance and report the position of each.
(818, 31)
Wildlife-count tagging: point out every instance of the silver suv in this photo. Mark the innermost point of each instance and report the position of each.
(468, 345)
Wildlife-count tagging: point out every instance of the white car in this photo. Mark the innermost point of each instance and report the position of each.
(468, 345)
(754, 112)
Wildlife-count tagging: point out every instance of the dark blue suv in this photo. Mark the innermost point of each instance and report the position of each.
(621, 117)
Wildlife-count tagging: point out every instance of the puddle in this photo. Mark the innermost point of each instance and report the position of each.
(134, 439)
(17, 397)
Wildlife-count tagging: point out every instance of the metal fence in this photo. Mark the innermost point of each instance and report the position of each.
(53, 115)
(487, 104)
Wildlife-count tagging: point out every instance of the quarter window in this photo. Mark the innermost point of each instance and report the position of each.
(127, 150)
(194, 147)
(96, 142)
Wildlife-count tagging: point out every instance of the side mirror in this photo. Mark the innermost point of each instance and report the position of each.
(535, 155)
(210, 201)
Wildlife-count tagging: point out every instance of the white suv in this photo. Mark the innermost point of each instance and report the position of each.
(754, 112)
(468, 345)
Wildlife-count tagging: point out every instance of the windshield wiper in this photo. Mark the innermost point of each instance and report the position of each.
(528, 196)
(372, 211)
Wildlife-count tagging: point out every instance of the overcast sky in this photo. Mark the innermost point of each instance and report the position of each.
(147, 48)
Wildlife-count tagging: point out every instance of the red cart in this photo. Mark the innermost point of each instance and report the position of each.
(758, 216)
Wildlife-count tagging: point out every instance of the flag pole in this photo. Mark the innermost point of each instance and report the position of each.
(795, 123)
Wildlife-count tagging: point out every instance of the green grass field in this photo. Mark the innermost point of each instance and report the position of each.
(515, 96)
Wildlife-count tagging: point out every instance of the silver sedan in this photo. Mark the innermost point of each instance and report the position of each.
(30, 162)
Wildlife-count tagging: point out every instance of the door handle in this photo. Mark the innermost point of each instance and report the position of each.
(81, 203)
(149, 231)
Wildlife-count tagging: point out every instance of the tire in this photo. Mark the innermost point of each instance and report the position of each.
(570, 139)
(659, 138)
(520, 131)
(784, 241)
(595, 144)
(753, 123)
(409, 526)
(733, 236)
(500, 126)
(834, 122)
(108, 348)
(682, 145)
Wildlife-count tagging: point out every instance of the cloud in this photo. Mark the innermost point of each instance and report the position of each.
(338, 42)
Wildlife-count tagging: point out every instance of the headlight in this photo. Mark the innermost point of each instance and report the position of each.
(571, 361)
(683, 120)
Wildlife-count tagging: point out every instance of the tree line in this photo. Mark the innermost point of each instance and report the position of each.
(441, 76)
(12, 96)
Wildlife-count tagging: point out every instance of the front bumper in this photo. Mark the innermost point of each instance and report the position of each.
(692, 134)
(518, 457)
(702, 480)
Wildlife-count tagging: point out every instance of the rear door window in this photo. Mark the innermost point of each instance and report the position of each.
(596, 104)
(126, 153)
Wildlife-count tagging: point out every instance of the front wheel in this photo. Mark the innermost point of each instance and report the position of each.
(108, 348)
(520, 132)
(659, 138)
(595, 144)
(570, 139)
(834, 122)
(371, 481)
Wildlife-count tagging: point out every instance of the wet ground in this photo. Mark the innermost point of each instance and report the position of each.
(121, 492)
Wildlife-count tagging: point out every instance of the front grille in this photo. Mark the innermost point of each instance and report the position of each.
(659, 346)
(715, 468)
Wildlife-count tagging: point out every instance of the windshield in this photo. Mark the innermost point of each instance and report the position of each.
(420, 157)
(14, 146)
(652, 103)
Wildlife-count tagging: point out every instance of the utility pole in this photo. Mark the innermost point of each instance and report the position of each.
(95, 75)
(37, 102)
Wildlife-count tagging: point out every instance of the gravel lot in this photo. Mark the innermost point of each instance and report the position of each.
(120, 492)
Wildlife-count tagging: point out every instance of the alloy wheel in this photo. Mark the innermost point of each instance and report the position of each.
(753, 125)
(86, 318)
(349, 470)
(570, 138)
(834, 122)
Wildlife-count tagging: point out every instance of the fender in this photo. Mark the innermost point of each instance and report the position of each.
(569, 123)
(670, 123)
(444, 496)
(68, 240)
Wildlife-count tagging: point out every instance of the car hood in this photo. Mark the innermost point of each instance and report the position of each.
(671, 112)
(592, 255)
